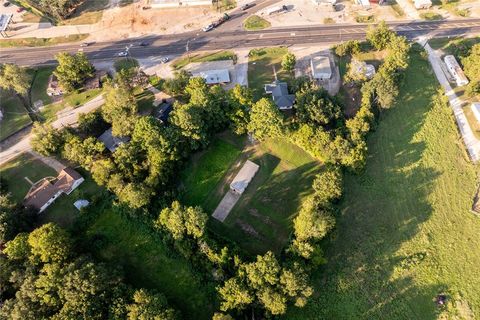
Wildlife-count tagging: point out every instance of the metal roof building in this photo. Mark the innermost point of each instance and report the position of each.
(111, 142)
(214, 72)
(422, 4)
(455, 70)
(321, 68)
(214, 76)
(280, 95)
(5, 20)
(476, 110)
(244, 176)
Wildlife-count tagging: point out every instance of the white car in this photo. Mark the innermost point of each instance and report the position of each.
(164, 60)
(122, 54)
(208, 28)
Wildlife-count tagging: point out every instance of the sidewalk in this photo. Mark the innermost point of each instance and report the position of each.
(471, 142)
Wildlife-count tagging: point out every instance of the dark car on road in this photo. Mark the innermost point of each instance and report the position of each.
(6, 4)
(248, 6)
(144, 44)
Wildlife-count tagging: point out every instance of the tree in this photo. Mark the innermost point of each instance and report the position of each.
(73, 70)
(135, 195)
(18, 248)
(92, 123)
(46, 140)
(380, 35)
(315, 107)
(350, 47)
(189, 120)
(265, 120)
(221, 316)
(180, 221)
(328, 185)
(50, 243)
(234, 294)
(150, 305)
(471, 66)
(177, 84)
(83, 152)
(120, 109)
(240, 101)
(386, 89)
(288, 62)
(16, 79)
(14, 218)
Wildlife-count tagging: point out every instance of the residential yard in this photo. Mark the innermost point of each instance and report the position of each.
(255, 22)
(212, 56)
(15, 116)
(15, 171)
(405, 232)
(41, 42)
(453, 45)
(262, 218)
(40, 84)
(148, 263)
(145, 99)
(261, 63)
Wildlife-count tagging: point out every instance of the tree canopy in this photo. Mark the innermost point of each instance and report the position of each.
(73, 70)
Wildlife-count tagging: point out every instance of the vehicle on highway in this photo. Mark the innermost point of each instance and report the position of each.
(6, 4)
(20, 9)
(144, 44)
(208, 28)
(85, 44)
(164, 60)
(122, 54)
(248, 6)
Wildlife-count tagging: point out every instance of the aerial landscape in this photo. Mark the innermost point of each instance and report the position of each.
(239, 159)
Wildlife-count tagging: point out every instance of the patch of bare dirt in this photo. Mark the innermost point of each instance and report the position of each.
(247, 228)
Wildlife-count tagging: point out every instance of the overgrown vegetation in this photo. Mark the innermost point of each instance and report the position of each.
(255, 22)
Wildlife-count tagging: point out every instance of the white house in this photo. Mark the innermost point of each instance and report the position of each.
(44, 193)
(243, 177)
(214, 76)
(321, 68)
(422, 4)
(214, 72)
(476, 110)
(455, 70)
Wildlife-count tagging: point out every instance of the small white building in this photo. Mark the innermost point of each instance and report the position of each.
(321, 68)
(455, 70)
(214, 76)
(363, 3)
(422, 4)
(179, 3)
(243, 177)
(476, 110)
(330, 2)
(214, 72)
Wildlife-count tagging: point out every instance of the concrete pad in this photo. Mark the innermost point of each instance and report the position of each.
(226, 205)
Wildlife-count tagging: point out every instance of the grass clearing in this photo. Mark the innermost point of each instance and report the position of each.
(149, 264)
(38, 90)
(365, 18)
(88, 12)
(405, 232)
(125, 64)
(430, 15)
(15, 116)
(255, 22)
(204, 172)
(261, 63)
(15, 171)
(145, 101)
(213, 56)
(41, 42)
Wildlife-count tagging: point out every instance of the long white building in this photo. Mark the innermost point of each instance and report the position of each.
(455, 70)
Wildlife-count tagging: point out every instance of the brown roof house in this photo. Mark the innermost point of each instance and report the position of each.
(46, 191)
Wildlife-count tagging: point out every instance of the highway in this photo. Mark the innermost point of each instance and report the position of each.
(222, 38)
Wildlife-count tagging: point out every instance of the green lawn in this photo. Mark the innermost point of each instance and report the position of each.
(41, 42)
(255, 22)
(405, 232)
(213, 56)
(15, 116)
(40, 84)
(125, 64)
(145, 99)
(71, 100)
(429, 15)
(149, 264)
(88, 12)
(260, 68)
(448, 44)
(15, 171)
(205, 170)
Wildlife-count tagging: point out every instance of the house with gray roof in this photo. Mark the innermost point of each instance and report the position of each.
(280, 95)
(110, 141)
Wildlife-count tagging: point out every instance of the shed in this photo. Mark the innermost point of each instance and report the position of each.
(455, 70)
(110, 141)
(476, 110)
(422, 4)
(244, 176)
(321, 68)
(81, 203)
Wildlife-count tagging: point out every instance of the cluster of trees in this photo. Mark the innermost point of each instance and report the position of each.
(73, 70)
(42, 276)
(14, 218)
(471, 66)
(59, 9)
(15, 79)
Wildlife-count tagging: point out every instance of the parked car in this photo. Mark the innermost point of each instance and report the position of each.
(144, 44)
(122, 54)
(6, 4)
(248, 6)
(164, 60)
(84, 44)
(20, 9)
(208, 28)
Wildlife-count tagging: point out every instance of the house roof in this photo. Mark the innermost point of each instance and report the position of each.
(111, 142)
(44, 190)
(321, 65)
(213, 76)
(212, 71)
(280, 95)
(163, 111)
(244, 176)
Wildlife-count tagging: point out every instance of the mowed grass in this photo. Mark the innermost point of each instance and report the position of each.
(212, 56)
(40, 85)
(149, 264)
(88, 12)
(255, 22)
(261, 63)
(15, 171)
(203, 173)
(405, 232)
(41, 42)
(15, 116)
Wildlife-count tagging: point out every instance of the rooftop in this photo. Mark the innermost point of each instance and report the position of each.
(111, 142)
(280, 95)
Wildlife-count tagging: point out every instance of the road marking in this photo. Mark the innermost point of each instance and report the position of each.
(292, 34)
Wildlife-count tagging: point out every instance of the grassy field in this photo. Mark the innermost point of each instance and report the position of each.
(87, 13)
(448, 44)
(205, 171)
(15, 171)
(405, 233)
(15, 116)
(149, 264)
(431, 16)
(260, 68)
(41, 42)
(215, 56)
(255, 22)
(40, 84)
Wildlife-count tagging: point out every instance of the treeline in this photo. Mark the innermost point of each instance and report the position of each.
(42, 276)
(58, 9)
(471, 66)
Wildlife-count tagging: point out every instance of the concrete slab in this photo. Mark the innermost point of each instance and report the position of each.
(226, 205)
